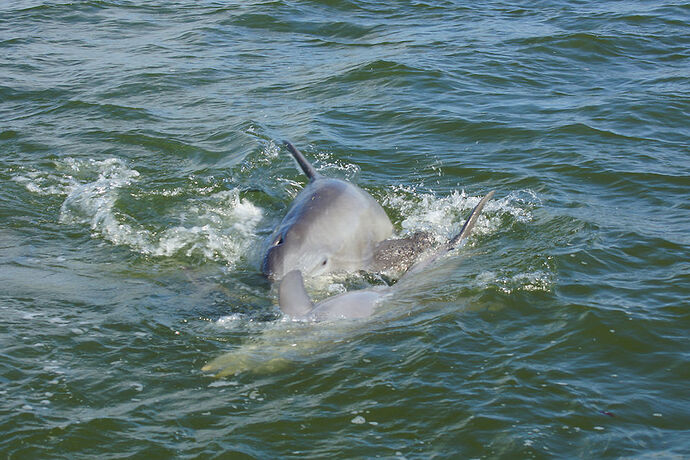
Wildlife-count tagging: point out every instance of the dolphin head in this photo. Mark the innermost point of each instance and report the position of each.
(331, 226)
(296, 247)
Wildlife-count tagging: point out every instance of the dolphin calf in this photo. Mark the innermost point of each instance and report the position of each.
(335, 226)
(295, 302)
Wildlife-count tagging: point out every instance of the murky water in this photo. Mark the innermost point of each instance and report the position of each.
(142, 169)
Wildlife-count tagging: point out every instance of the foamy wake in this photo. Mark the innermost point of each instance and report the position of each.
(443, 217)
(219, 226)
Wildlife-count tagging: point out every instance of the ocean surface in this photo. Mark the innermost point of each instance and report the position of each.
(142, 169)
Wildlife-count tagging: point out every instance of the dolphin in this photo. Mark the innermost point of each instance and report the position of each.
(278, 348)
(294, 300)
(335, 226)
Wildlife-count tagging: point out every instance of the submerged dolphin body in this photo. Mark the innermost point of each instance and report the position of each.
(335, 226)
(295, 302)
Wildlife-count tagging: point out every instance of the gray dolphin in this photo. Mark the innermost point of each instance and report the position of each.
(335, 226)
(295, 302)
(278, 347)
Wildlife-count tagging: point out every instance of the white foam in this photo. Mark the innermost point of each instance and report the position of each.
(223, 383)
(444, 216)
(225, 229)
(44, 184)
(137, 386)
(272, 150)
(230, 319)
(358, 420)
(216, 226)
(93, 202)
(328, 166)
(426, 212)
(538, 280)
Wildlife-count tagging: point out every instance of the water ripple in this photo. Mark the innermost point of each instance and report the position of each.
(142, 168)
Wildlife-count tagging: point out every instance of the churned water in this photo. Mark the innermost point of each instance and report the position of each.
(142, 169)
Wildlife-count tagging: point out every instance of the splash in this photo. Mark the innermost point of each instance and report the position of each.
(225, 229)
(45, 184)
(214, 226)
(93, 203)
(444, 216)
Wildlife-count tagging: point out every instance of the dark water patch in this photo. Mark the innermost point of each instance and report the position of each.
(8, 42)
(429, 122)
(34, 94)
(143, 83)
(584, 130)
(336, 30)
(8, 134)
(154, 142)
(62, 6)
(644, 184)
(596, 48)
(95, 111)
(394, 73)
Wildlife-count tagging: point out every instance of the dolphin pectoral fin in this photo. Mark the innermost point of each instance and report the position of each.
(470, 222)
(307, 168)
(292, 296)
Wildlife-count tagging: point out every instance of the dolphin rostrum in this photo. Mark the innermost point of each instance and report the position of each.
(295, 302)
(335, 226)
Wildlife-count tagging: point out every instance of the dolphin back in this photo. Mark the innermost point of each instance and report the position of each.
(308, 169)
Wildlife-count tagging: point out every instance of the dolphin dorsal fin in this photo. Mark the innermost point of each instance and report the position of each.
(292, 296)
(302, 161)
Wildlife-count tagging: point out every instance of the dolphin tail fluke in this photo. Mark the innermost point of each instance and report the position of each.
(469, 223)
(292, 296)
(301, 160)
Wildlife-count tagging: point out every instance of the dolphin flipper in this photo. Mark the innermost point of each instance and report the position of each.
(302, 161)
(294, 301)
(292, 296)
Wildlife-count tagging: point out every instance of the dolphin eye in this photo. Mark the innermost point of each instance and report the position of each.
(325, 261)
(279, 241)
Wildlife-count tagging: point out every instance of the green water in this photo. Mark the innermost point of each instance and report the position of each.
(142, 169)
